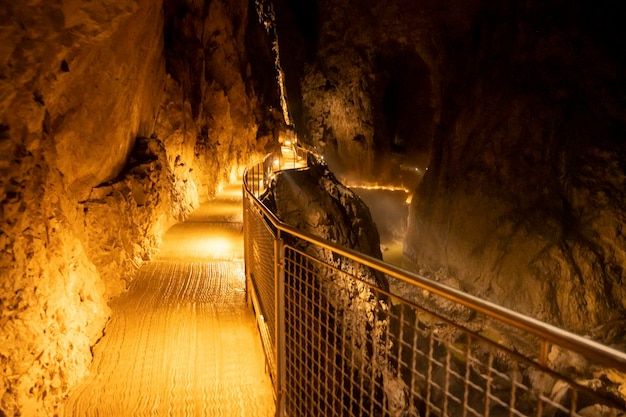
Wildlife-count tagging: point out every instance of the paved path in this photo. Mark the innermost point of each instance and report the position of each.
(181, 341)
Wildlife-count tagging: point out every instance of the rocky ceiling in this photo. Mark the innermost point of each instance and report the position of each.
(118, 116)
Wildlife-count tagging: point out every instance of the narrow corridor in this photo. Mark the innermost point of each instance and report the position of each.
(181, 341)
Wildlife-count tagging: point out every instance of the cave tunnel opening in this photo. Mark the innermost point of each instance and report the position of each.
(403, 113)
(406, 115)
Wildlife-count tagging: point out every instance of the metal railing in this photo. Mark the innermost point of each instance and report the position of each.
(340, 343)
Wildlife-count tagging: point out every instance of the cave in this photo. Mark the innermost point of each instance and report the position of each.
(500, 126)
(404, 122)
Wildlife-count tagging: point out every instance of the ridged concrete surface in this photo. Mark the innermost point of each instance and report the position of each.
(181, 341)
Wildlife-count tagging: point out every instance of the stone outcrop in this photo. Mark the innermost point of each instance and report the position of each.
(366, 91)
(516, 110)
(209, 122)
(117, 117)
(124, 218)
(313, 201)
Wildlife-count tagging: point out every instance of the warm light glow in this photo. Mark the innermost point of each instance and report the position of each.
(290, 158)
(370, 186)
(231, 193)
(196, 242)
(217, 246)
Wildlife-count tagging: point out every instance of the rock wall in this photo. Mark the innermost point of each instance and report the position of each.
(107, 136)
(365, 93)
(215, 103)
(515, 108)
(522, 203)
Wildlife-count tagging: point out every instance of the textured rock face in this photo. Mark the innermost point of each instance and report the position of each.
(66, 126)
(523, 199)
(517, 106)
(314, 201)
(368, 82)
(214, 105)
(108, 134)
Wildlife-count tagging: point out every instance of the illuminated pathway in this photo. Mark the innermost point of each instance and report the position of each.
(181, 341)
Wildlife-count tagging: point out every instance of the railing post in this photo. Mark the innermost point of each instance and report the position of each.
(246, 247)
(279, 304)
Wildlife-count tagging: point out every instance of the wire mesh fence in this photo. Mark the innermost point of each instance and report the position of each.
(353, 349)
(347, 343)
(260, 271)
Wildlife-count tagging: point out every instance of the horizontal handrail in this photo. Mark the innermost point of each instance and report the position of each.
(589, 348)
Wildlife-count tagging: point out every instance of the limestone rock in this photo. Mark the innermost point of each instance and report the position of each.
(126, 217)
(104, 142)
(314, 201)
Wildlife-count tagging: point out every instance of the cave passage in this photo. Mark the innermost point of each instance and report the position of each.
(182, 341)
(389, 207)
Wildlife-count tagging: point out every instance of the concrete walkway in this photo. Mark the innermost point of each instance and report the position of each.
(181, 341)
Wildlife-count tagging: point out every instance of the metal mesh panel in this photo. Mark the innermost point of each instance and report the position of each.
(333, 356)
(260, 258)
(403, 360)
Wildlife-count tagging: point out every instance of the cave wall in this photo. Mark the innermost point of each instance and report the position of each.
(517, 110)
(117, 118)
(523, 200)
(215, 104)
(365, 88)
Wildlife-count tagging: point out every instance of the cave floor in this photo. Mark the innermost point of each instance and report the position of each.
(181, 341)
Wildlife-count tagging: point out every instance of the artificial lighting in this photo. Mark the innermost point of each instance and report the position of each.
(217, 246)
(366, 186)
